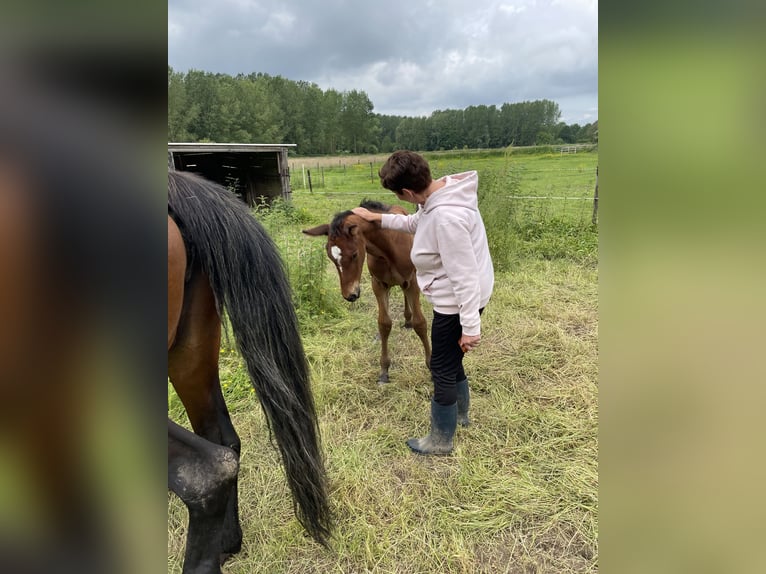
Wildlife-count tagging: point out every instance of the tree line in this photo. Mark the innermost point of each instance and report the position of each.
(259, 108)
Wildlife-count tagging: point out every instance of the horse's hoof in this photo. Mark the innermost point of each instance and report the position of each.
(232, 550)
(407, 325)
(383, 380)
(223, 557)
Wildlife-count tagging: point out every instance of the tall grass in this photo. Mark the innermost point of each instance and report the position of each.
(497, 208)
(306, 261)
(519, 229)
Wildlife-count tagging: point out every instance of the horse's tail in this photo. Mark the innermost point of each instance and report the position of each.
(249, 281)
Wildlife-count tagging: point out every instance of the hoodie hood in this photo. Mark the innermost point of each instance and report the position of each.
(460, 190)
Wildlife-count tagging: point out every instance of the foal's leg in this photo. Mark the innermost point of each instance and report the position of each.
(419, 324)
(193, 370)
(407, 307)
(202, 474)
(384, 327)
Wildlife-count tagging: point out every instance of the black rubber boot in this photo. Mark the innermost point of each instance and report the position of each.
(443, 423)
(463, 402)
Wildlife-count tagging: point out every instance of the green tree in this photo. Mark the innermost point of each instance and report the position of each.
(446, 129)
(260, 115)
(387, 137)
(332, 103)
(358, 126)
(412, 133)
(260, 108)
(201, 90)
(588, 133)
(181, 111)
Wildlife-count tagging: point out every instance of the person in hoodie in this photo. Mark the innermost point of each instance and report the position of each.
(454, 271)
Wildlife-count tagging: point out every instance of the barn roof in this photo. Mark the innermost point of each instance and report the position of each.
(226, 147)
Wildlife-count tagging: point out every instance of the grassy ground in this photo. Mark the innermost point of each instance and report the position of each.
(553, 174)
(520, 492)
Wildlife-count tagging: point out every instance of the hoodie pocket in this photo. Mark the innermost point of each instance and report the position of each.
(428, 288)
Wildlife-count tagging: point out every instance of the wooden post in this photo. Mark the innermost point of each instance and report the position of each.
(311, 189)
(371, 177)
(594, 219)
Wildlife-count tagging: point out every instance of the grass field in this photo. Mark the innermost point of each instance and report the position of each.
(546, 175)
(519, 493)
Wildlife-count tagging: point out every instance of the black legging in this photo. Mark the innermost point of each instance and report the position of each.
(446, 357)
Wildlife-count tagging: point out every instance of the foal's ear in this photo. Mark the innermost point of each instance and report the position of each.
(319, 230)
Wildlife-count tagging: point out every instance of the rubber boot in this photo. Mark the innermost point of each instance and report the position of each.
(443, 423)
(463, 402)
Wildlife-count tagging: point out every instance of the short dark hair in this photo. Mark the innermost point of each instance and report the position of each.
(405, 169)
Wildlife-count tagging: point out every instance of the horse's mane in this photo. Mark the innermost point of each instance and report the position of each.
(336, 225)
(376, 206)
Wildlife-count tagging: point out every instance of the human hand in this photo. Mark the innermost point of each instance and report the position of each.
(366, 214)
(469, 342)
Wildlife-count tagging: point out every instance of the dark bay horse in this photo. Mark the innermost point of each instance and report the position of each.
(220, 259)
(349, 239)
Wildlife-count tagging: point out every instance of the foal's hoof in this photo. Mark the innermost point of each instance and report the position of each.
(383, 379)
(407, 325)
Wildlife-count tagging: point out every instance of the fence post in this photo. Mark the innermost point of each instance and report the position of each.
(594, 219)
(371, 177)
(311, 189)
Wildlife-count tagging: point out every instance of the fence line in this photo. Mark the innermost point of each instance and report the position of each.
(568, 197)
(387, 193)
(517, 168)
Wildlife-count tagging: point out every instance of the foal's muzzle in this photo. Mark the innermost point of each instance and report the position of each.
(353, 296)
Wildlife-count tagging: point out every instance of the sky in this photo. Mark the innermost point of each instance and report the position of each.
(411, 57)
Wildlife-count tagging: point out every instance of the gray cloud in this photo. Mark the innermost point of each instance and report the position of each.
(411, 57)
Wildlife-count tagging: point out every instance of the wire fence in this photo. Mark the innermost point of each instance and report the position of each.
(538, 192)
(544, 209)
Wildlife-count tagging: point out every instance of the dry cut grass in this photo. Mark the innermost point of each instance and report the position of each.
(519, 494)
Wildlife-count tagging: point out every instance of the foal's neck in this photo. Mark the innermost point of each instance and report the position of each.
(378, 242)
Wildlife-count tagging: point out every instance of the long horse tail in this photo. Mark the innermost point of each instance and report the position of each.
(249, 280)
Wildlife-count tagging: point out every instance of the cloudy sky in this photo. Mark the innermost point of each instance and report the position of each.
(410, 57)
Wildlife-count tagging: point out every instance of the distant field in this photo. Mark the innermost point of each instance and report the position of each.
(567, 181)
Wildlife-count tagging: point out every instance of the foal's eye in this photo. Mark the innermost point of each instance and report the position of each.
(353, 257)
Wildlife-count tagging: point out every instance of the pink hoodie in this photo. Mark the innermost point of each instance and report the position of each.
(450, 250)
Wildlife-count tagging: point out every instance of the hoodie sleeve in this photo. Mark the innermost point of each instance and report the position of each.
(460, 264)
(398, 222)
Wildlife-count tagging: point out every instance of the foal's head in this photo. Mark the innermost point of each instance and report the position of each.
(346, 249)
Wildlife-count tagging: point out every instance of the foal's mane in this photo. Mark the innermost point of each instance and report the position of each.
(376, 206)
(336, 225)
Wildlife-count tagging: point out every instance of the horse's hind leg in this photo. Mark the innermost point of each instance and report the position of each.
(384, 327)
(202, 474)
(193, 370)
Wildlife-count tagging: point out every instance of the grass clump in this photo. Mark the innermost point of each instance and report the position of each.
(519, 493)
